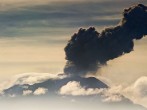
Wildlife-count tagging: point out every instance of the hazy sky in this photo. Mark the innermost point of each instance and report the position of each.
(34, 33)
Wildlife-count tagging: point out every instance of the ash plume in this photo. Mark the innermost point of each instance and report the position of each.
(88, 49)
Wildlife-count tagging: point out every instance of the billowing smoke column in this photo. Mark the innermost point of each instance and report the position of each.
(88, 49)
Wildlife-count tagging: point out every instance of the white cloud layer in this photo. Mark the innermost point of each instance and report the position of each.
(140, 87)
(137, 92)
(27, 92)
(33, 78)
(40, 91)
(112, 94)
(28, 78)
(74, 88)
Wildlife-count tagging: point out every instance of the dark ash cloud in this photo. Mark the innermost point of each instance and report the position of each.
(88, 49)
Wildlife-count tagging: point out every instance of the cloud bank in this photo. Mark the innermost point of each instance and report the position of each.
(12, 4)
(29, 79)
(40, 91)
(37, 92)
(36, 84)
(27, 92)
(74, 88)
(137, 92)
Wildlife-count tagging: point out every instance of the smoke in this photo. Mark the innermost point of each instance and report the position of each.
(88, 49)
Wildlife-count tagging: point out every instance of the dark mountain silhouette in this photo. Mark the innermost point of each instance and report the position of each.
(55, 85)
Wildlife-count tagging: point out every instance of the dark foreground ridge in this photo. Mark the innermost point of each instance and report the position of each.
(88, 49)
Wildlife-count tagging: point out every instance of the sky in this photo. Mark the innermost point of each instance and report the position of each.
(33, 35)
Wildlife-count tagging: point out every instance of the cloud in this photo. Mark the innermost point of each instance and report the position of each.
(31, 84)
(40, 91)
(40, 83)
(74, 88)
(112, 94)
(12, 95)
(32, 2)
(30, 79)
(51, 18)
(46, 19)
(13, 4)
(140, 87)
(88, 50)
(27, 92)
(137, 92)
